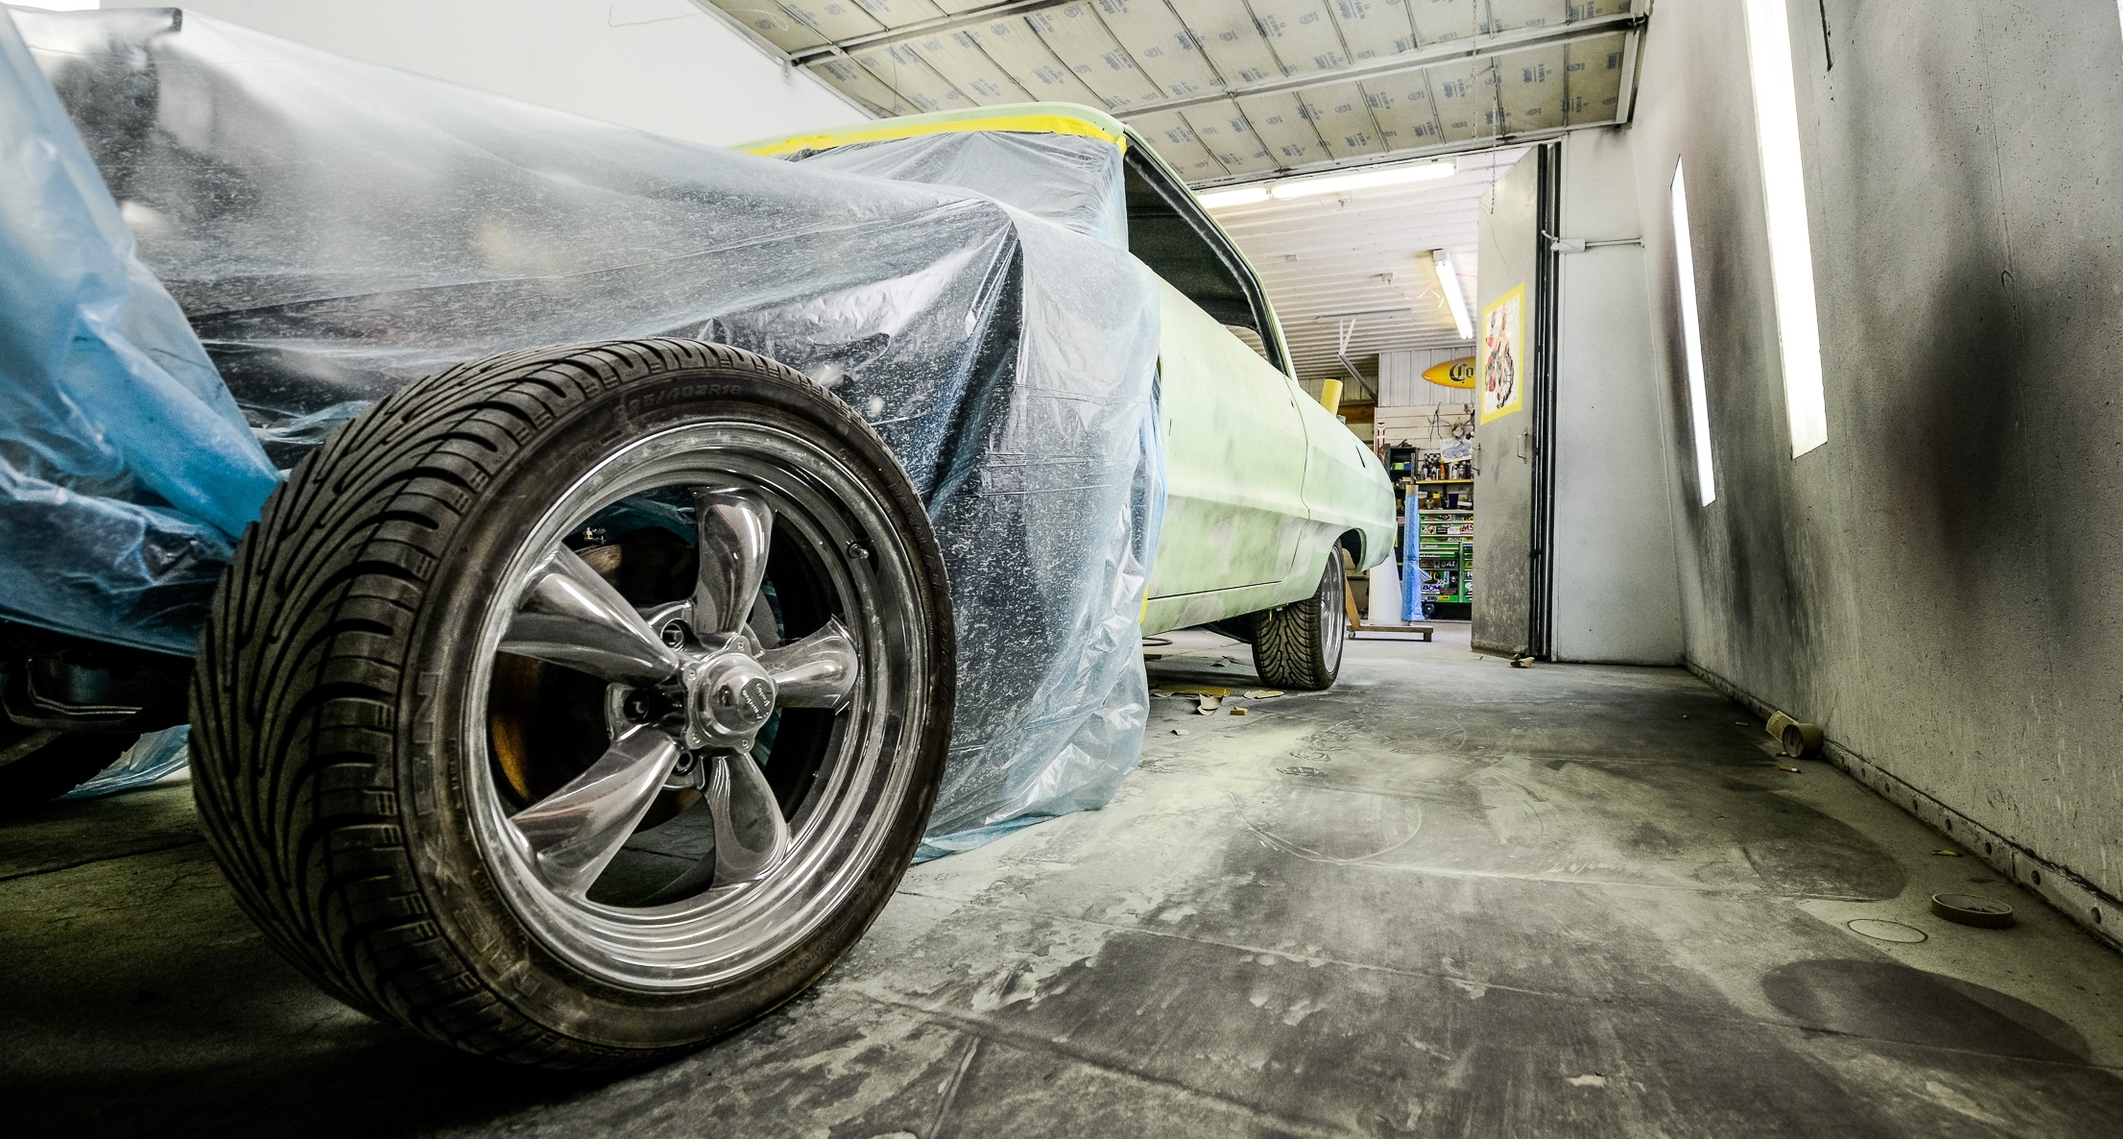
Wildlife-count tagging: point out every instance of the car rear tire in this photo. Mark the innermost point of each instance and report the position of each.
(1299, 645)
(576, 707)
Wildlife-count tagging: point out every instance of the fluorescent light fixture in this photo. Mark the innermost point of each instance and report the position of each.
(1448, 280)
(1364, 179)
(1692, 337)
(1247, 195)
(1776, 123)
(1394, 175)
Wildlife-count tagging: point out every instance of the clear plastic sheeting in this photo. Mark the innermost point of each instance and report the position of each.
(124, 465)
(335, 230)
(157, 756)
(1070, 180)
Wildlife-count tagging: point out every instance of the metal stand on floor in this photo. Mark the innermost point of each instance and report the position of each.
(1356, 620)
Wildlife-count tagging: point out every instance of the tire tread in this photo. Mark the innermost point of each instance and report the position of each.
(303, 660)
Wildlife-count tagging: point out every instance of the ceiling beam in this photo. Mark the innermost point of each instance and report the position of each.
(1470, 146)
(1438, 51)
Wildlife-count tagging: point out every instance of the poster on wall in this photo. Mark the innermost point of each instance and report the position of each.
(1500, 365)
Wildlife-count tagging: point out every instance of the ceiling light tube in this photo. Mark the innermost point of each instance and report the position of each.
(1394, 175)
(1448, 282)
(1242, 196)
(1364, 179)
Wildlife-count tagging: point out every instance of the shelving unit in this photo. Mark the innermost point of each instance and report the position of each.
(1445, 545)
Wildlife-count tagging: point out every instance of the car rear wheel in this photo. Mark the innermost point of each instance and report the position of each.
(1299, 645)
(573, 708)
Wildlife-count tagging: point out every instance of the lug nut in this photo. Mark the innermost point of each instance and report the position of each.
(674, 634)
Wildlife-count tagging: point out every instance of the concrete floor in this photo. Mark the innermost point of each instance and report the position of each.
(1447, 898)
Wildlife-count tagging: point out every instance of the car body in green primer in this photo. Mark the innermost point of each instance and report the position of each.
(1262, 483)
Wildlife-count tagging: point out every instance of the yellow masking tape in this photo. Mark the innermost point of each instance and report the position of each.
(1029, 124)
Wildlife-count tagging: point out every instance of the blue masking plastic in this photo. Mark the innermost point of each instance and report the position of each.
(125, 467)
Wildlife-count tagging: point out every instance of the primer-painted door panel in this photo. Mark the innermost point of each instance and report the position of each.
(1236, 452)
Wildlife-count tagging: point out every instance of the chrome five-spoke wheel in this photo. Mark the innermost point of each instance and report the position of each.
(624, 686)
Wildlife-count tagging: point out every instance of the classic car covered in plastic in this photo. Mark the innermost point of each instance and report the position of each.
(598, 563)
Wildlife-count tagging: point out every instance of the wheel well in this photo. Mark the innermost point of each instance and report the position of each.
(1352, 541)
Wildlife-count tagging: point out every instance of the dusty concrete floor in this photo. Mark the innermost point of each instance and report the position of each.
(1448, 898)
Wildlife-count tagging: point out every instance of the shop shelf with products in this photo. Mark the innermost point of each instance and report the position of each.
(1442, 495)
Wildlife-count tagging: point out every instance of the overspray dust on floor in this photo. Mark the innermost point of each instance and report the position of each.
(1448, 897)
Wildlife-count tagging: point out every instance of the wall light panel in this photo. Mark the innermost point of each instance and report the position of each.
(1692, 338)
(1776, 114)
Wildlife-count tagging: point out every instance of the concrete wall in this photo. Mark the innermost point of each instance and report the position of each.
(659, 65)
(1616, 591)
(1939, 584)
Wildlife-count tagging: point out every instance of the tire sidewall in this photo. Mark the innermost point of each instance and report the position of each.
(431, 766)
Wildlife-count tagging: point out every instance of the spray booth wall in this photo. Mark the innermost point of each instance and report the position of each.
(1940, 585)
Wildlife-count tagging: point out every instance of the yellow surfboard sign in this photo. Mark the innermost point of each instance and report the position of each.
(1452, 373)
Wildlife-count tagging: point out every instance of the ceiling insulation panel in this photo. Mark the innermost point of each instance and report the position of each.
(896, 13)
(1374, 29)
(1303, 35)
(1510, 15)
(774, 24)
(1244, 89)
(1281, 121)
(824, 20)
(1175, 141)
(854, 81)
(1018, 50)
(1401, 105)
(1228, 37)
(1440, 21)
(1530, 88)
(1228, 136)
(1080, 39)
(903, 70)
(1464, 93)
(958, 58)
(1594, 90)
(1160, 45)
(1338, 111)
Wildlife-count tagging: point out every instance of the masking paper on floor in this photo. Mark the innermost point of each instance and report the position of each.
(335, 230)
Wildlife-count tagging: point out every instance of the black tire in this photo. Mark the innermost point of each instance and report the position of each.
(1299, 645)
(336, 688)
(41, 766)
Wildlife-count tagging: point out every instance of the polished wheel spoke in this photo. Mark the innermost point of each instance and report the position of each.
(576, 830)
(816, 672)
(570, 616)
(735, 527)
(750, 834)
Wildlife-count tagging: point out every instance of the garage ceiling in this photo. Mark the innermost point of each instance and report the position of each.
(1234, 91)
(1365, 258)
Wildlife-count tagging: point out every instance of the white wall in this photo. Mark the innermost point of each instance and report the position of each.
(659, 65)
(1616, 590)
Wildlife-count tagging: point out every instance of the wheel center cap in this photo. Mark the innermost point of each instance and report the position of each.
(729, 698)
